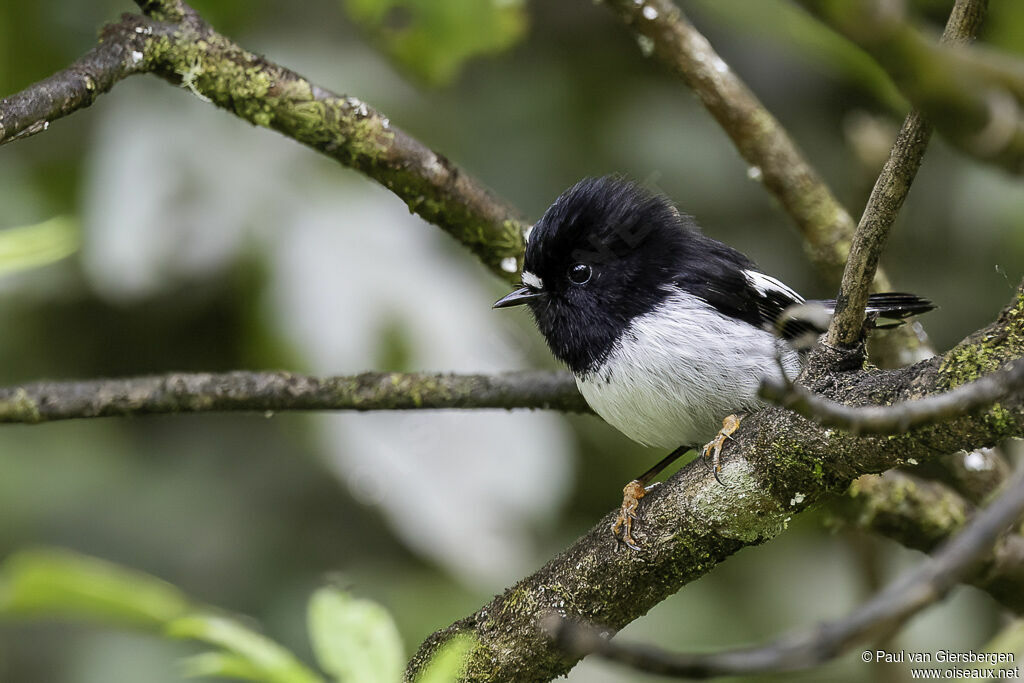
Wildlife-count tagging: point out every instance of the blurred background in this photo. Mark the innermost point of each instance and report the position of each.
(198, 242)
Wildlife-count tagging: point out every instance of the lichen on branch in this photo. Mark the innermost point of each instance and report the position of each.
(255, 391)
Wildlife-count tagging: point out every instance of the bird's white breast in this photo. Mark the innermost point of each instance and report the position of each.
(678, 370)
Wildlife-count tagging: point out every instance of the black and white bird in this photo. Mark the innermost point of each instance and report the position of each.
(669, 333)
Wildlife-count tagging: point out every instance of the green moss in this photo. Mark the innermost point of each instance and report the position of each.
(1001, 420)
(818, 472)
(518, 600)
(970, 361)
(20, 408)
(965, 364)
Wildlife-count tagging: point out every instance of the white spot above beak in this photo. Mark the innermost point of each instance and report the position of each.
(532, 281)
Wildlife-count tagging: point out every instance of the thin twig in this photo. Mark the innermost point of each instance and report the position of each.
(279, 391)
(900, 417)
(888, 195)
(925, 585)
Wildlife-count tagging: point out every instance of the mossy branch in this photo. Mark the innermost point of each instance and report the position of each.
(899, 417)
(178, 45)
(273, 391)
(778, 465)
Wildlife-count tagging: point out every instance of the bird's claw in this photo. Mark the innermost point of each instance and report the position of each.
(631, 495)
(713, 449)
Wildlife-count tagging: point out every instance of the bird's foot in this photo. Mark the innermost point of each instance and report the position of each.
(631, 495)
(713, 449)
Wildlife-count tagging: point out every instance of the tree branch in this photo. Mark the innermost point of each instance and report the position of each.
(118, 55)
(190, 53)
(899, 417)
(776, 467)
(928, 583)
(274, 391)
(974, 98)
(888, 194)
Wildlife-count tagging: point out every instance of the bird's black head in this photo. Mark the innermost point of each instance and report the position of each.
(604, 253)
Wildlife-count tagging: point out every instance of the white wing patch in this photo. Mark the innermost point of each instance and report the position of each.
(531, 280)
(766, 283)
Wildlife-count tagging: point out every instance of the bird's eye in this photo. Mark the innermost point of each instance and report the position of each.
(579, 273)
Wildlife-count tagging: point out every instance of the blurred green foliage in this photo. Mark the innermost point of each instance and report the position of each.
(791, 28)
(243, 652)
(50, 581)
(30, 246)
(432, 39)
(355, 640)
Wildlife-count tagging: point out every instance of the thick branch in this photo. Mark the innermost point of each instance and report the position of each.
(928, 583)
(973, 97)
(273, 391)
(778, 465)
(888, 194)
(189, 52)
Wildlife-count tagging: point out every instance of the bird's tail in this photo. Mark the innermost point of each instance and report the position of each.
(812, 318)
(890, 305)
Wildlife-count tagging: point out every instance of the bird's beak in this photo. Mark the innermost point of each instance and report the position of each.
(517, 297)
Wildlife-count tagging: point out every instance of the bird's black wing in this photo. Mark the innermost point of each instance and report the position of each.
(732, 285)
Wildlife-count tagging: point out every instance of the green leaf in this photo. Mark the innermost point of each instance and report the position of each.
(354, 640)
(433, 38)
(264, 660)
(59, 583)
(219, 664)
(30, 246)
(447, 663)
